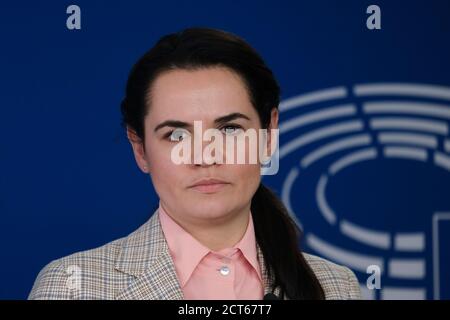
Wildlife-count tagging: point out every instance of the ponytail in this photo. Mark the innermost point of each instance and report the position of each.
(277, 235)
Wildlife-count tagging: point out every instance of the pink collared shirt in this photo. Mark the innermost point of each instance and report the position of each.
(203, 274)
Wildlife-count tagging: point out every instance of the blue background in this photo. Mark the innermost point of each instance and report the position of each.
(68, 179)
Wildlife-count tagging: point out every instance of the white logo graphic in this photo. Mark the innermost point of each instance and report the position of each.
(336, 130)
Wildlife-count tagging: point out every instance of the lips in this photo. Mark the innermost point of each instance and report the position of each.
(209, 185)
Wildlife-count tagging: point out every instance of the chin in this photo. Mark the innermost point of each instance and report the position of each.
(210, 208)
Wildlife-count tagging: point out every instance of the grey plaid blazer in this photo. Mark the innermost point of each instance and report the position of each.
(139, 266)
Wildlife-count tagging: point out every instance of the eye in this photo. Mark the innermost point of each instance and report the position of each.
(177, 135)
(232, 129)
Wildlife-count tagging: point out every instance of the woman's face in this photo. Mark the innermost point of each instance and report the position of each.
(198, 95)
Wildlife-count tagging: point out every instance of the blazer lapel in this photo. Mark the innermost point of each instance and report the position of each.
(267, 281)
(145, 255)
(159, 282)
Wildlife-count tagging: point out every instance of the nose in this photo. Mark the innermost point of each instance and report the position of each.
(207, 153)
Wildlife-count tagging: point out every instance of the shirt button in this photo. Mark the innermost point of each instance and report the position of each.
(224, 270)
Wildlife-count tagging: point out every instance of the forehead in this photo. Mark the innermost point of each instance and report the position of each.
(198, 94)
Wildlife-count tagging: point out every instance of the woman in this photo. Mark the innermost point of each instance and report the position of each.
(218, 232)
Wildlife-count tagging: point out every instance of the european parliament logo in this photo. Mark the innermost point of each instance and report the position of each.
(365, 172)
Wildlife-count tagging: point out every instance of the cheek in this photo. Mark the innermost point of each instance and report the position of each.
(163, 171)
(158, 154)
(248, 177)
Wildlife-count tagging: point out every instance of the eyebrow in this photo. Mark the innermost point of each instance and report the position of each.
(218, 121)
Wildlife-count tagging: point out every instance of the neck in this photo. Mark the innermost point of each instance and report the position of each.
(217, 235)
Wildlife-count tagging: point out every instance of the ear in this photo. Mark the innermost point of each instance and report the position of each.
(138, 150)
(272, 134)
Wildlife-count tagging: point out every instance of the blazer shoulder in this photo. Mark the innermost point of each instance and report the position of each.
(338, 282)
(100, 273)
(60, 278)
(51, 283)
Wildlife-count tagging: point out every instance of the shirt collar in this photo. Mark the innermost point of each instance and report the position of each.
(187, 252)
(247, 245)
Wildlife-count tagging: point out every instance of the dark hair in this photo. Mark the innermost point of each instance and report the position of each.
(199, 48)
